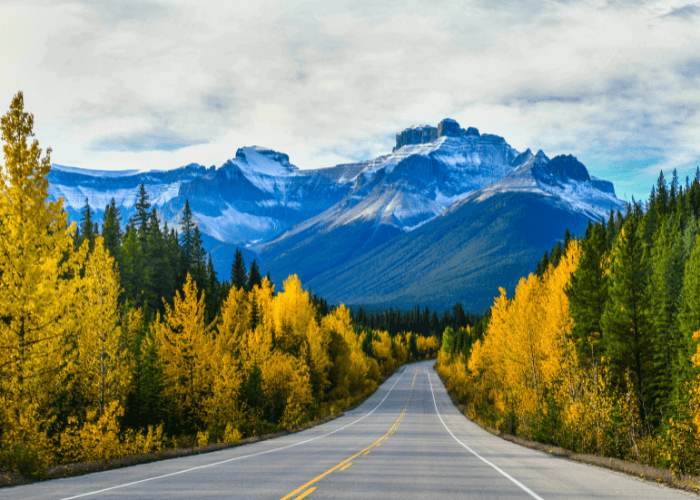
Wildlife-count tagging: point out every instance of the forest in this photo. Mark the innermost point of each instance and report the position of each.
(598, 350)
(121, 339)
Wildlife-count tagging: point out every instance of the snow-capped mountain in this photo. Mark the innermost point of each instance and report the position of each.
(315, 222)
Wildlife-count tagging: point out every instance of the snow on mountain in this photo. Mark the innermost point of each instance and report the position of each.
(563, 179)
(258, 199)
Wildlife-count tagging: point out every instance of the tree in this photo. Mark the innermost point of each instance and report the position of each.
(588, 294)
(100, 355)
(87, 227)
(689, 318)
(626, 324)
(188, 226)
(185, 345)
(254, 278)
(39, 279)
(143, 207)
(112, 230)
(239, 275)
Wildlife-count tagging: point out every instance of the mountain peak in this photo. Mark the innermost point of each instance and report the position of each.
(265, 160)
(423, 134)
(568, 166)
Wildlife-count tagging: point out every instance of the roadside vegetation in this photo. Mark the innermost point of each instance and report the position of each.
(116, 342)
(598, 351)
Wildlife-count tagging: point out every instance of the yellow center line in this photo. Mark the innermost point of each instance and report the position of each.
(346, 466)
(306, 493)
(344, 462)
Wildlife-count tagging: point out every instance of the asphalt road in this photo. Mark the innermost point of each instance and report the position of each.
(406, 441)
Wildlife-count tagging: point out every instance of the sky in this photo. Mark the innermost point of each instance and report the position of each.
(151, 84)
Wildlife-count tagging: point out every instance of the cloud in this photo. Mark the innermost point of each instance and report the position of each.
(158, 84)
(684, 13)
(155, 140)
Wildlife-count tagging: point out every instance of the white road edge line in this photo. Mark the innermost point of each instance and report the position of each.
(242, 457)
(521, 485)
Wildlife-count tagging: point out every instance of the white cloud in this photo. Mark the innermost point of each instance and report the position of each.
(134, 84)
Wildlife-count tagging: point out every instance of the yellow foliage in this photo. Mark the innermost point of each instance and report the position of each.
(287, 388)
(96, 439)
(202, 438)
(232, 434)
(234, 322)
(185, 347)
(100, 358)
(100, 438)
(38, 280)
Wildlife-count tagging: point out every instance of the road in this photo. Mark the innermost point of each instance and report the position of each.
(407, 441)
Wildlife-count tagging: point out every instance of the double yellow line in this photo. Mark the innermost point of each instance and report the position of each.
(347, 463)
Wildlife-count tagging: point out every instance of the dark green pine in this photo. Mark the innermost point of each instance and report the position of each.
(239, 275)
(588, 294)
(254, 277)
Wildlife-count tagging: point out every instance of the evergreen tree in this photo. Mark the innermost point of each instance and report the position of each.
(111, 229)
(588, 294)
(159, 268)
(212, 291)
(87, 227)
(198, 264)
(254, 277)
(688, 319)
(239, 275)
(626, 325)
(188, 226)
(143, 207)
(666, 284)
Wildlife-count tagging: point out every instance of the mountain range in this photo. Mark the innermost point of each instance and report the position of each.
(449, 215)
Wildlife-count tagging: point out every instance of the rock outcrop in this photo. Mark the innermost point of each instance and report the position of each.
(421, 134)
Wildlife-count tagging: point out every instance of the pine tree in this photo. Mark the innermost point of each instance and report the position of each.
(87, 227)
(134, 277)
(254, 277)
(666, 285)
(198, 265)
(143, 206)
(111, 229)
(688, 318)
(626, 324)
(239, 275)
(588, 294)
(188, 226)
(212, 291)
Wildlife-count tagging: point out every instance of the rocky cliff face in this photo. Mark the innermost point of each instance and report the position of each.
(421, 134)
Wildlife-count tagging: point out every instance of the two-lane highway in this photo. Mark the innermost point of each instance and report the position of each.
(406, 441)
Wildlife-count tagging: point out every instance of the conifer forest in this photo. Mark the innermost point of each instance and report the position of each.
(597, 351)
(119, 338)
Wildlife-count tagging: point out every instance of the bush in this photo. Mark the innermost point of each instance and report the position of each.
(22, 458)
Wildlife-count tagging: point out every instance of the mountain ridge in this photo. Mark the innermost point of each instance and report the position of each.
(318, 222)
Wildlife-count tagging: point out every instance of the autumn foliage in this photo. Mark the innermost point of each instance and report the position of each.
(91, 369)
(590, 354)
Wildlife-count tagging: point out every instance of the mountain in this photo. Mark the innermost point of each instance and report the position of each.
(488, 239)
(445, 212)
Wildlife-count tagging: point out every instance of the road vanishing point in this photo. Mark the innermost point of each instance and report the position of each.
(407, 441)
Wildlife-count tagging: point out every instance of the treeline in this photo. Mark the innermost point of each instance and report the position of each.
(416, 320)
(123, 341)
(598, 351)
(154, 260)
